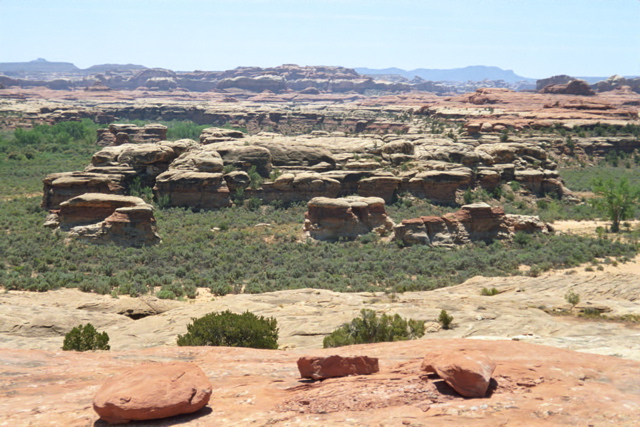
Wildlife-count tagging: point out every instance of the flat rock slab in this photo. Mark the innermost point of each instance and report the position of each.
(319, 368)
(152, 391)
(536, 386)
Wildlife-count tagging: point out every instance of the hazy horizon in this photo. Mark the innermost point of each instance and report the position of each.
(535, 39)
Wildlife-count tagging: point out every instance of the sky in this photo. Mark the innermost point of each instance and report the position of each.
(534, 38)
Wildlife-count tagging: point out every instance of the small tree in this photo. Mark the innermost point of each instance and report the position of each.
(572, 298)
(231, 330)
(615, 199)
(84, 338)
(445, 319)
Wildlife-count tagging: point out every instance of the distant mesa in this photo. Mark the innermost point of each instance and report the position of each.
(314, 82)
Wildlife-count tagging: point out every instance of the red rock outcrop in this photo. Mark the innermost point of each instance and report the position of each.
(469, 373)
(473, 222)
(106, 218)
(152, 391)
(346, 218)
(319, 368)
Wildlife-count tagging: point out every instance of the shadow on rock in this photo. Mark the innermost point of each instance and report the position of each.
(162, 422)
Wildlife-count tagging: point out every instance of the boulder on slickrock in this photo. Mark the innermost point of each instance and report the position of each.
(319, 368)
(347, 218)
(152, 391)
(469, 373)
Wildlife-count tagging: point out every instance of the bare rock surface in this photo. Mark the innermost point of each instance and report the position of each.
(152, 391)
(535, 386)
(319, 368)
(522, 310)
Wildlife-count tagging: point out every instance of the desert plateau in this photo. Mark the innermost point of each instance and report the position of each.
(193, 242)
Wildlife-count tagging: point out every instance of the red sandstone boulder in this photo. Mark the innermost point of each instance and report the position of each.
(153, 391)
(468, 373)
(319, 368)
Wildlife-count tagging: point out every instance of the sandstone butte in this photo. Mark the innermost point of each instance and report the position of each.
(534, 386)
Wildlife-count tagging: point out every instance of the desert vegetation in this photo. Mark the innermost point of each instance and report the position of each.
(370, 328)
(231, 330)
(85, 338)
(225, 250)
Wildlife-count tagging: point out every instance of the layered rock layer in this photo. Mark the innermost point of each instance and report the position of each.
(475, 222)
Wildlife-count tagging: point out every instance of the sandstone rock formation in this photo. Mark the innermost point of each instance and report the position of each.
(475, 222)
(561, 79)
(574, 87)
(106, 218)
(469, 373)
(186, 173)
(153, 391)
(346, 218)
(118, 134)
(320, 368)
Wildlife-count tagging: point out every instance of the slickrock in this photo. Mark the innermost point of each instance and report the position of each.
(319, 368)
(152, 391)
(534, 386)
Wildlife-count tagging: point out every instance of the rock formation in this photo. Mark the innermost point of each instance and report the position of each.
(118, 134)
(469, 373)
(561, 79)
(475, 222)
(320, 368)
(346, 218)
(574, 87)
(106, 218)
(273, 167)
(152, 391)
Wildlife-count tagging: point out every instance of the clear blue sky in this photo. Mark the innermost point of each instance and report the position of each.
(535, 38)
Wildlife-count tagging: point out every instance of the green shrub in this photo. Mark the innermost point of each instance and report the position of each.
(368, 328)
(572, 298)
(489, 292)
(85, 338)
(445, 320)
(231, 330)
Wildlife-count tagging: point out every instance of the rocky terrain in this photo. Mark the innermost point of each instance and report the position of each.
(547, 384)
(225, 166)
(312, 133)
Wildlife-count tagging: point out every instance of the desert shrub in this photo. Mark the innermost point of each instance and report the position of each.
(445, 320)
(85, 338)
(231, 330)
(369, 328)
(256, 179)
(489, 292)
(572, 298)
